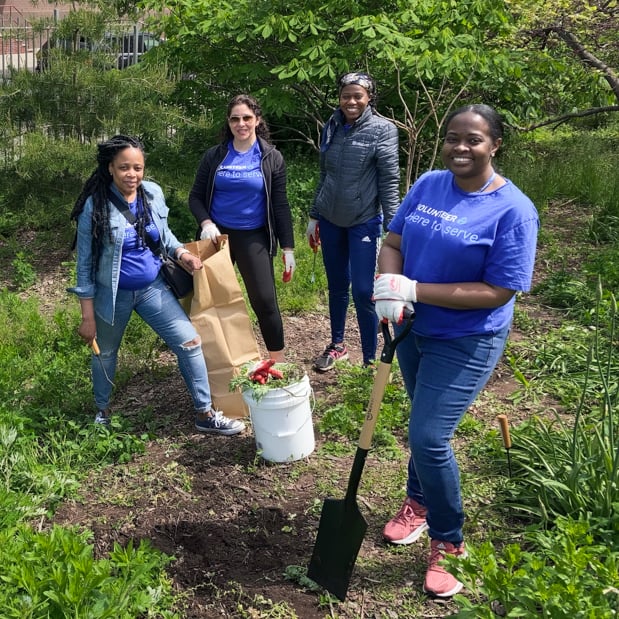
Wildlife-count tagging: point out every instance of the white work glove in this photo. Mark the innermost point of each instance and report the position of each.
(209, 231)
(289, 265)
(313, 234)
(392, 294)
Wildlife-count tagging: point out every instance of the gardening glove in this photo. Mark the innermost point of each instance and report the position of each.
(263, 370)
(393, 311)
(289, 265)
(313, 234)
(392, 294)
(209, 231)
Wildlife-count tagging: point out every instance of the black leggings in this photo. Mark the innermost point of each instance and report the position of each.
(249, 250)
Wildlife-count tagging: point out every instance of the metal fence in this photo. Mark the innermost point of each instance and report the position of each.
(19, 41)
(23, 46)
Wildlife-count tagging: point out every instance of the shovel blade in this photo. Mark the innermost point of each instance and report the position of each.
(340, 534)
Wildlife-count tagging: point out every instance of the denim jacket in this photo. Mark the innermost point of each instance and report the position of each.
(104, 286)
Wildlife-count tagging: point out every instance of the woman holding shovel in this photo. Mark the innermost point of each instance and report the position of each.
(460, 246)
(118, 273)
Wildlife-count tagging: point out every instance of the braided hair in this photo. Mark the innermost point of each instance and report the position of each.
(98, 186)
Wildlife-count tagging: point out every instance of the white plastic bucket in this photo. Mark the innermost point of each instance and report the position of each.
(282, 422)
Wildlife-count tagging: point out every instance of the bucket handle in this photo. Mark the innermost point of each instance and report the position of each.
(295, 395)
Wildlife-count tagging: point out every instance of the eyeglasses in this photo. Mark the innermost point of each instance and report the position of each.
(235, 120)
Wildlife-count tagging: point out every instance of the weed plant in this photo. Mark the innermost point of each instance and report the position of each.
(571, 467)
(55, 574)
(567, 575)
(344, 419)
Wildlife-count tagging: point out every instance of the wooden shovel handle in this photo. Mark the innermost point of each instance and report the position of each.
(371, 415)
(382, 378)
(504, 425)
(95, 347)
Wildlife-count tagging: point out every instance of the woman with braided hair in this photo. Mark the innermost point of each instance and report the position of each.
(118, 273)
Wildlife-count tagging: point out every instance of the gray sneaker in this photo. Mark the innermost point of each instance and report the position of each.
(216, 422)
(102, 418)
(332, 353)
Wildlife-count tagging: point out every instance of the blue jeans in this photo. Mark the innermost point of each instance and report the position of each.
(349, 256)
(159, 308)
(442, 378)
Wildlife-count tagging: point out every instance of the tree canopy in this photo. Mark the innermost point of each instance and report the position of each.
(532, 59)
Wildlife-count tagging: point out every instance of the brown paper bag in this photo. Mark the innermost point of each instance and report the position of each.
(219, 314)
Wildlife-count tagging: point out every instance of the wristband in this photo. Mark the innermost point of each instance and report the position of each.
(414, 291)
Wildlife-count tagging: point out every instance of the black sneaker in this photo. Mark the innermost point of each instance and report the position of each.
(102, 418)
(333, 352)
(216, 422)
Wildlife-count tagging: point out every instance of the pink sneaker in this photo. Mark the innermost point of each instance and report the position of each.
(438, 581)
(408, 524)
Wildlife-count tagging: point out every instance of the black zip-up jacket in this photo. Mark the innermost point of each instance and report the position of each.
(279, 218)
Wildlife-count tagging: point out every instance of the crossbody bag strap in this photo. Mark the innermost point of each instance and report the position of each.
(123, 207)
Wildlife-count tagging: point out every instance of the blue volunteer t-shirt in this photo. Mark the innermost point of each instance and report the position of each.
(139, 267)
(449, 235)
(239, 198)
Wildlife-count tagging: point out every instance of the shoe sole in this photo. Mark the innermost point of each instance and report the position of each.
(222, 432)
(413, 537)
(446, 594)
(319, 369)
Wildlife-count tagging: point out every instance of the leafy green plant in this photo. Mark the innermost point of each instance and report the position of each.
(353, 388)
(563, 290)
(24, 274)
(564, 575)
(55, 574)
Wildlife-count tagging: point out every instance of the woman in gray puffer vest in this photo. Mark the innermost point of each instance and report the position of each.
(356, 198)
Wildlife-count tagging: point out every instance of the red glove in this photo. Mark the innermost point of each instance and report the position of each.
(313, 234)
(263, 370)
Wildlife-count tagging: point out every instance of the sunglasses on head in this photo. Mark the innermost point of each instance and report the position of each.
(237, 119)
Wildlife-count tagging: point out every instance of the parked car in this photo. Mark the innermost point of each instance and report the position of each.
(127, 51)
(113, 50)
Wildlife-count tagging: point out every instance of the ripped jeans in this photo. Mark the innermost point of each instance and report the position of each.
(159, 308)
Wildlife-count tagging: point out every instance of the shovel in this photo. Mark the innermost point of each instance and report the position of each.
(342, 526)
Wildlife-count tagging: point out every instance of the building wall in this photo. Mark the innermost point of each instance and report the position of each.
(20, 11)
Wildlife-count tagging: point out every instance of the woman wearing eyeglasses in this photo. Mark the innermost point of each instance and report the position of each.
(357, 195)
(240, 190)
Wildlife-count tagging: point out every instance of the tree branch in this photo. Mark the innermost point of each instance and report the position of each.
(559, 120)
